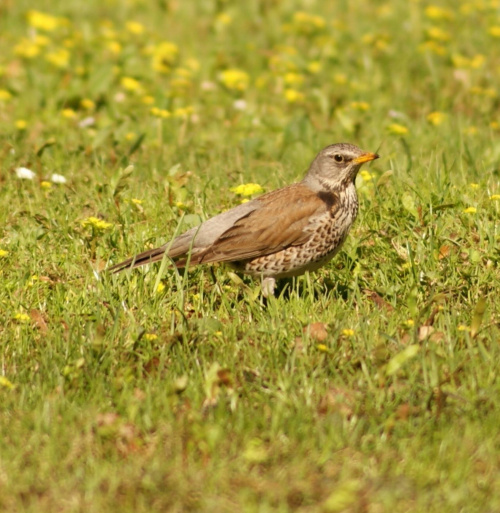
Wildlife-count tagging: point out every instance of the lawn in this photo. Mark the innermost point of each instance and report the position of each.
(369, 386)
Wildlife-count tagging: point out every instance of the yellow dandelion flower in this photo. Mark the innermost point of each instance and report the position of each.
(314, 67)
(183, 112)
(409, 323)
(397, 129)
(136, 201)
(307, 23)
(58, 58)
(436, 118)
(160, 288)
(148, 100)
(130, 136)
(293, 96)
(494, 125)
(41, 40)
(21, 124)
(340, 78)
(27, 49)
(96, 223)
(22, 317)
(87, 104)
(470, 210)
(322, 348)
(134, 27)
(130, 84)
(68, 113)
(3, 253)
(435, 12)
(462, 327)
(5, 95)
(247, 189)
(163, 56)
(5, 383)
(362, 106)
(45, 185)
(114, 47)
(293, 78)
(366, 175)
(160, 113)
(223, 19)
(494, 197)
(42, 21)
(348, 332)
(151, 336)
(433, 47)
(438, 34)
(235, 79)
(494, 31)
(470, 130)
(474, 185)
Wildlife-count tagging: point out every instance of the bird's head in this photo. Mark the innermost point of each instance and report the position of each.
(336, 166)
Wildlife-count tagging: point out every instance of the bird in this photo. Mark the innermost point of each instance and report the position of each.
(280, 234)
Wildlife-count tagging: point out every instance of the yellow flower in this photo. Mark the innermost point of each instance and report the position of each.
(293, 78)
(474, 185)
(130, 136)
(340, 78)
(130, 84)
(470, 130)
(45, 185)
(435, 12)
(4, 382)
(183, 112)
(21, 124)
(235, 79)
(3, 253)
(322, 348)
(436, 118)
(134, 27)
(59, 58)
(494, 31)
(293, 96)
(151, 336)
(114, 47)
(314, 67)
(470, 210)
(42, 21)
(363, 106)
(348, 332)
(22, 317)
(160, 288)
(164, 55)
(307, 23)
(68, 113)
(223, 19)
(4, 95)
(148, 100)
(494, 197)
(27, 49)
(96, 223)
(136, 201)
(409, 323)
(460, 61)
(87, 104)
(463, 328)
(366, 175)
(247, 189)
(397, 129)
(160, 113)
(433, 47)
(438, 34)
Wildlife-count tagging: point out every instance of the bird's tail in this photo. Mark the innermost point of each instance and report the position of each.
(147, 257)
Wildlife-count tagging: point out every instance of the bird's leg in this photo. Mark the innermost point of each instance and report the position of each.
(267, 286)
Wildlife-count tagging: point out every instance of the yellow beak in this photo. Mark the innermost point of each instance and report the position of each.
(366, 157)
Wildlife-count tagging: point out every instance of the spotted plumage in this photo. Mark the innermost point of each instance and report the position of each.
(282, 233)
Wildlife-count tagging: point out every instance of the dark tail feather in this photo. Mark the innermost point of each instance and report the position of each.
(147, 257)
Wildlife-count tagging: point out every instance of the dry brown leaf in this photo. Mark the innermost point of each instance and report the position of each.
(424, 332)
(39, 321)
(317, 331)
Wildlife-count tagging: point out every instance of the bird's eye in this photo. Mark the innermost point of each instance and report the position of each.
(338, 158)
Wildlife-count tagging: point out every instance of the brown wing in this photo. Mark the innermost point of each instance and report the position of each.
(281, 220)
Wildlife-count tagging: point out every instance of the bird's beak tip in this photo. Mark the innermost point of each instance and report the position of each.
(366, 157)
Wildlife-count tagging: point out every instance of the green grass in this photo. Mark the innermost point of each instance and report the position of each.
(370, 386)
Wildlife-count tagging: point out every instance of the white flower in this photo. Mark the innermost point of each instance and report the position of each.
(85, 122)
(25, 174)
(240, 105)
(55, 178)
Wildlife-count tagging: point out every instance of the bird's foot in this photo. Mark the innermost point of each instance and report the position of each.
(267, 286)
